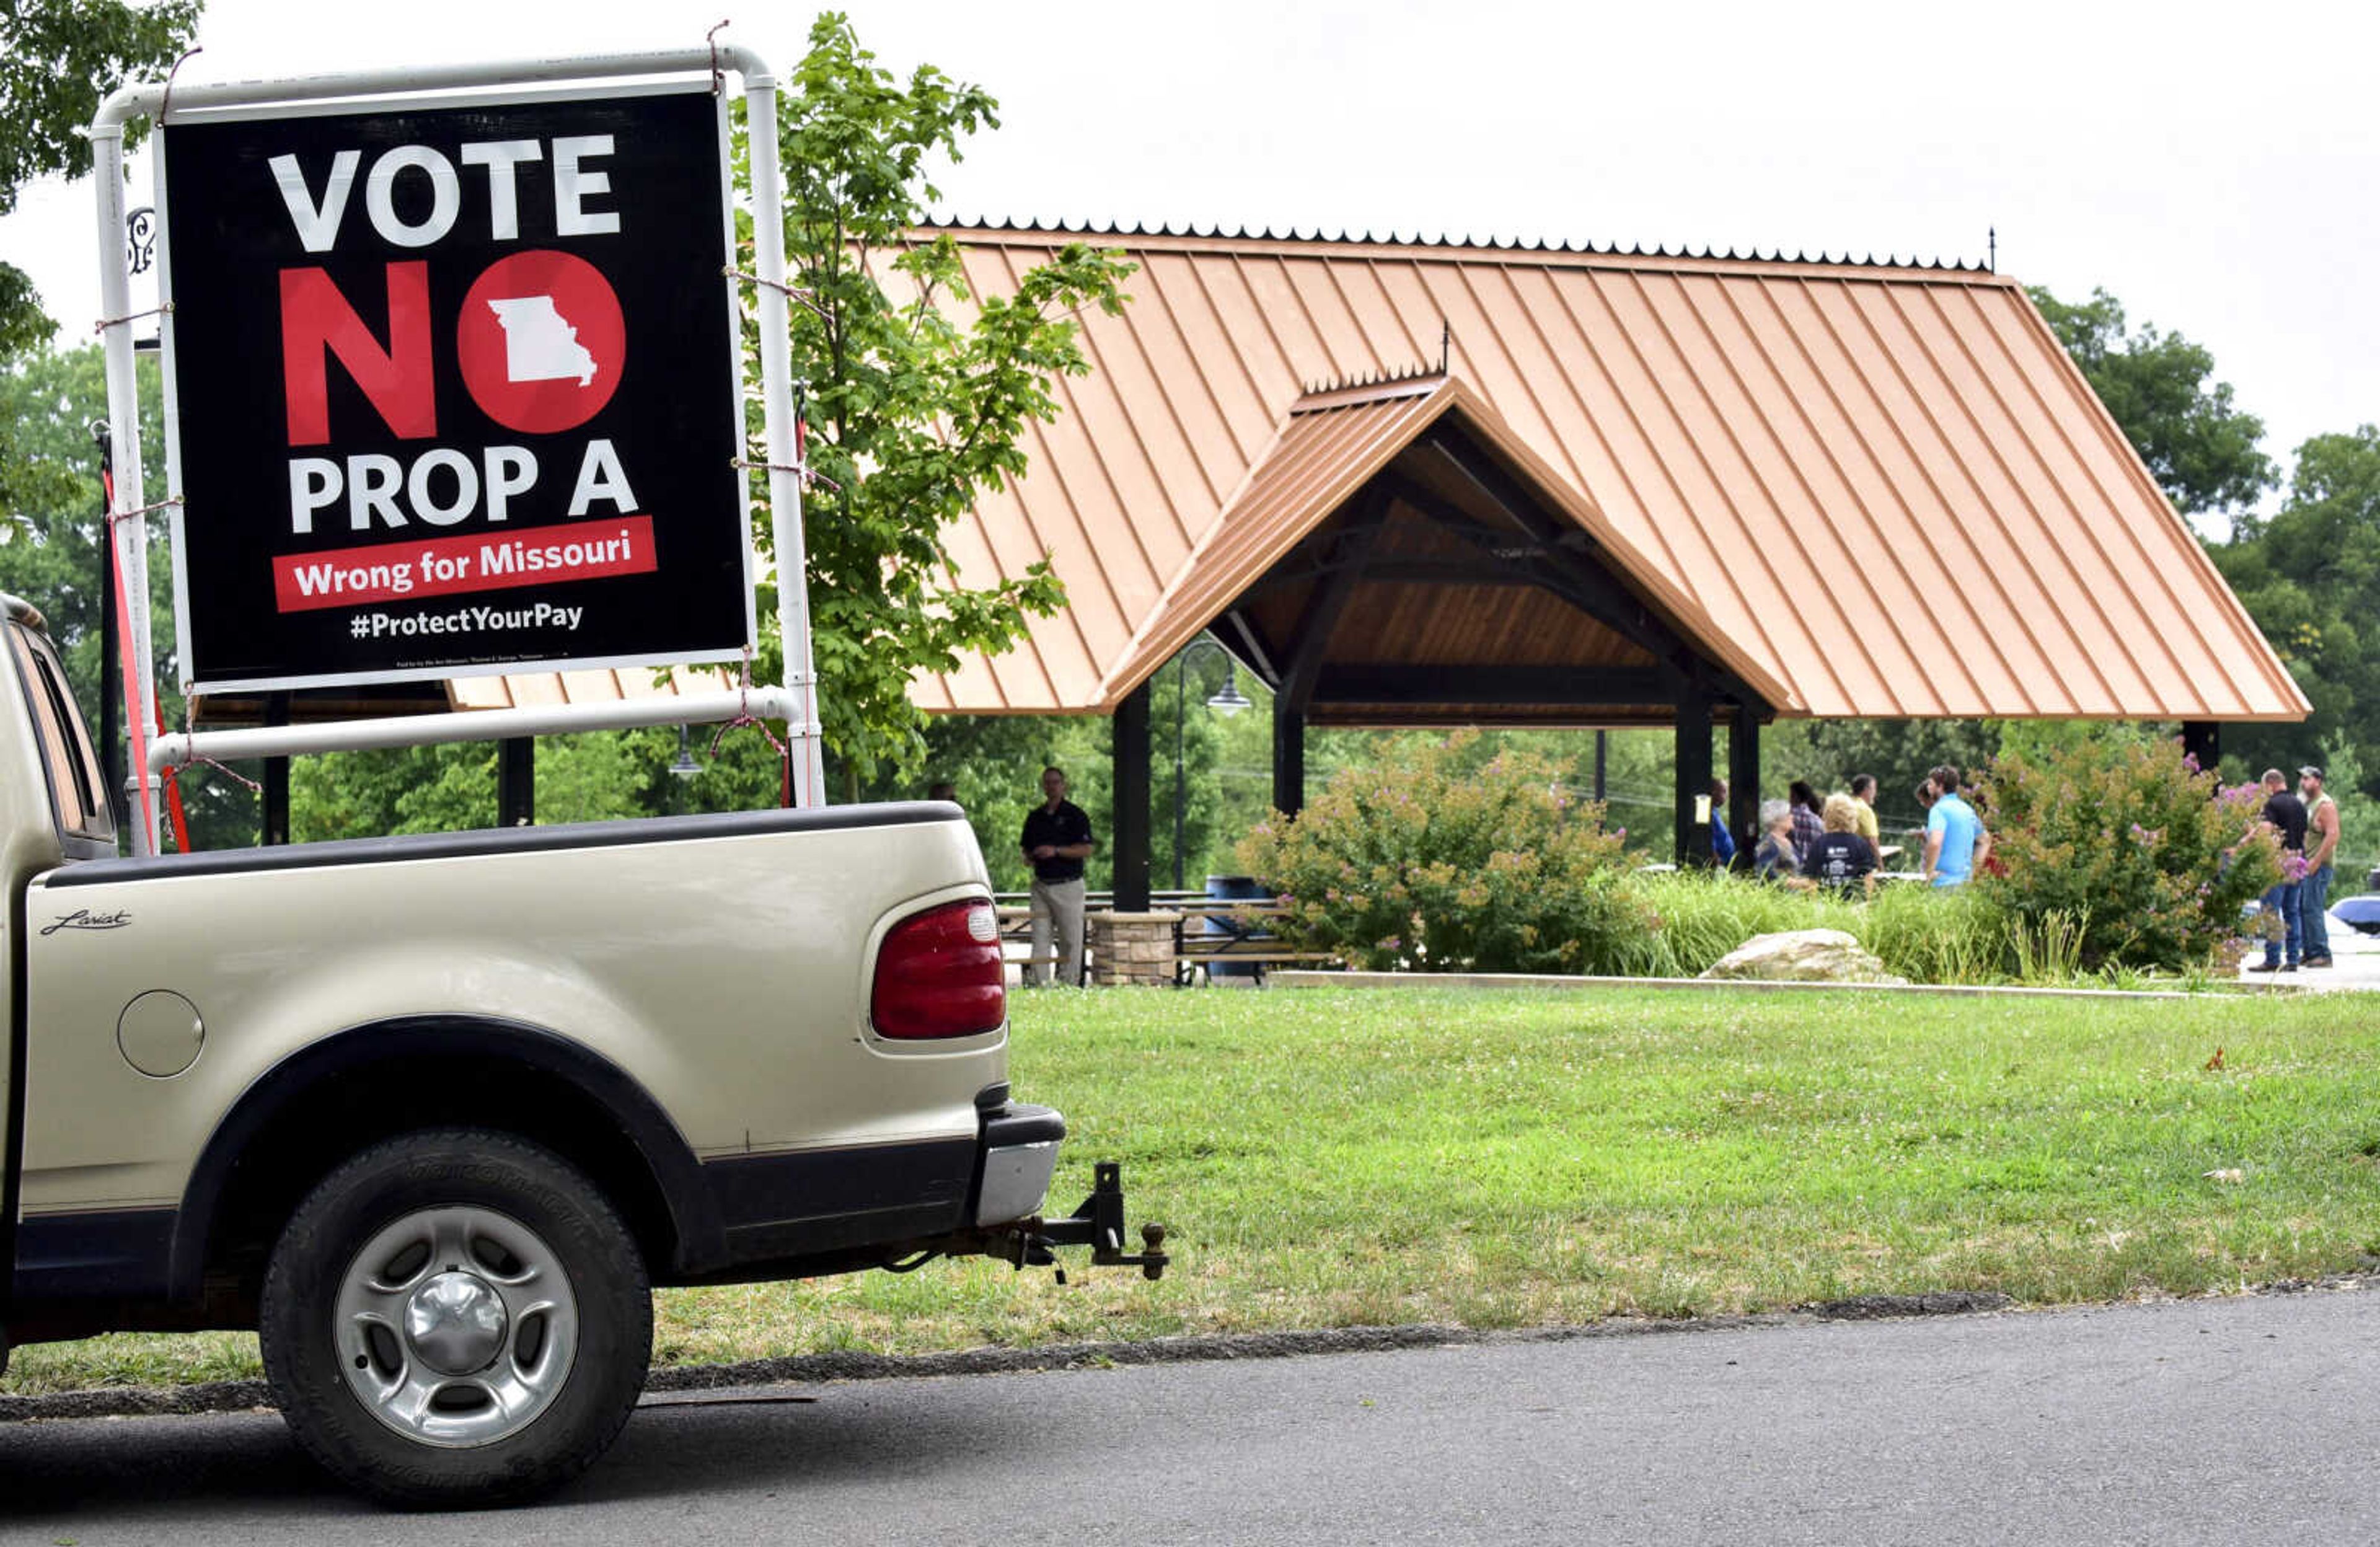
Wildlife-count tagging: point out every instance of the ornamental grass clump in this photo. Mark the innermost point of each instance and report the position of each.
(1435, 863)
(1925, 935)
(1699, 916)
(2128, 845)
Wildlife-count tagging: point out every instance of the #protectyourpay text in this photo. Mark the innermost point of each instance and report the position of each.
(463, 620)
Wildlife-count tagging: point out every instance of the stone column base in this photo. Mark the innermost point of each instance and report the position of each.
(1131, 948)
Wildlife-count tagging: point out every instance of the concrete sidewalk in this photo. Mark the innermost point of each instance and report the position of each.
(2357, 970)
(2357, 960)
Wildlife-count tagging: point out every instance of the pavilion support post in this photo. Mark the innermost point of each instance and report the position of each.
(1302, 665)
(1288, 758)
(517, 781)
(1130, 819)
(1744, 784)
(276, 777)
(2202, 739)
(1694, 777)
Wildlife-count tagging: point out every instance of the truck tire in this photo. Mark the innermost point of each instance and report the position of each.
(456, 1317)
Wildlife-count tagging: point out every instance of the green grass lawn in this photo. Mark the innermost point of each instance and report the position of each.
(1338, 1157)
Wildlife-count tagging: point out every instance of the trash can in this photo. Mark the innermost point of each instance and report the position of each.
(1233, 888)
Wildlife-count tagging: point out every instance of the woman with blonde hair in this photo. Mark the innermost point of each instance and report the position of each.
(1841, 858)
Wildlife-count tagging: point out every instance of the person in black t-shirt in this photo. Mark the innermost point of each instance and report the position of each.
(1057, 840)
(2278, 920)
(1841, 858)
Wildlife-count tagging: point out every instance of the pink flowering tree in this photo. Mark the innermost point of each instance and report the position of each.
(2152, 854)
(1428, 864)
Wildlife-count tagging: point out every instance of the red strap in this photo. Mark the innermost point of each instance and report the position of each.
(173, 796)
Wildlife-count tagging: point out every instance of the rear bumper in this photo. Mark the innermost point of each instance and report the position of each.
(990, 1193)
(823, 1211)
(1020, 1155)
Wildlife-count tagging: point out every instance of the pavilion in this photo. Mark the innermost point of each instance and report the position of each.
(1431, 483)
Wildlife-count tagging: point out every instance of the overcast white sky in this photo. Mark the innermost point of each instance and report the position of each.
(2212, 166)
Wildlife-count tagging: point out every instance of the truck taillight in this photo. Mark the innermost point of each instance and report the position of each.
(940, 974)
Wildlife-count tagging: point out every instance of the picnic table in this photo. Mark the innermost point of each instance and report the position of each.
(1207, 931)
(1233, 932)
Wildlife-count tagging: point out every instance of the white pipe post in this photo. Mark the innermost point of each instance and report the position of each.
(181, 748)
(777, 419)
(129, 533)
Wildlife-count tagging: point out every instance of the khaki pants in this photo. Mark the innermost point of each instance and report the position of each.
(1057, 905)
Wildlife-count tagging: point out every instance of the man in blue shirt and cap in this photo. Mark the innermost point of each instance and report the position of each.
(1955, 840)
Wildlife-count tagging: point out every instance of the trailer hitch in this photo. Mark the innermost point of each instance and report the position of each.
(1098, 1224)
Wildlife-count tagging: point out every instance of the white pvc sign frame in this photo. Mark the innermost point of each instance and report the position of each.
(793, 700)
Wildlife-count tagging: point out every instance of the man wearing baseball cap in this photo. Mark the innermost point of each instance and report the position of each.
(2280, 919)
(2322, 844)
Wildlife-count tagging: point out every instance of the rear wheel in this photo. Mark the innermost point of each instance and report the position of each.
(456, 1317)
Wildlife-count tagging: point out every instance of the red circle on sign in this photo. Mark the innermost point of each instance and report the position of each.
(541, 341)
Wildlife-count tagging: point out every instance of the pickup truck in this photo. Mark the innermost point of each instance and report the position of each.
(434, 1114)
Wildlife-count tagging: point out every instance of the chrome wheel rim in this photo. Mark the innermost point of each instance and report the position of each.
(455, 1327)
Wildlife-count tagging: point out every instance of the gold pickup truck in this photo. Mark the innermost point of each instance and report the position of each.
(433, 1115)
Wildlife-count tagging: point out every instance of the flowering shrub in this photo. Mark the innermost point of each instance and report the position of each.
(2131, 839)
(1432, 865)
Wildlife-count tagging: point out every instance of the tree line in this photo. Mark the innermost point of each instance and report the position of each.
(922, 395)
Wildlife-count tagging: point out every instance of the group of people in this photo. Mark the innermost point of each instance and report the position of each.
(1837, 843)
(2295, 917)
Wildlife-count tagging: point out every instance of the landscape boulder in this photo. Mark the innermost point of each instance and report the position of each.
(1802, 957)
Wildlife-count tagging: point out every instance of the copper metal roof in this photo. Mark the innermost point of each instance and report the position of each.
(534, 688)
(1884, 489)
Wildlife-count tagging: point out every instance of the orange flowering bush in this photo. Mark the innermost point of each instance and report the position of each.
(2133, 840)
(1432, 864)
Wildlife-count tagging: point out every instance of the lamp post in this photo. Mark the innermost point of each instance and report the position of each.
(682, 771)
(685, 767)
(1228, 699)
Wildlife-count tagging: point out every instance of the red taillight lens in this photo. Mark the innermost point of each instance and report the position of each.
(940, 974)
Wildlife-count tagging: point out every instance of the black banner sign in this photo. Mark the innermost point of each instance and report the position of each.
(456, 391)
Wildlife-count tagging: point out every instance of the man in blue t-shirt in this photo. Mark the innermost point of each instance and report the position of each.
(1955, 841)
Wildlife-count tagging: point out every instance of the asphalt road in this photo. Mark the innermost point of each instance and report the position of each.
(2232, 1422)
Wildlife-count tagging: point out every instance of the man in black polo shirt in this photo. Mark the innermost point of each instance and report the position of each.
(2278, 919)
(1057, 840)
